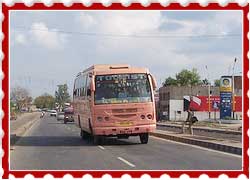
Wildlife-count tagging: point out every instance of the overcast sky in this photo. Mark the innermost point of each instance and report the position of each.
(50, 47)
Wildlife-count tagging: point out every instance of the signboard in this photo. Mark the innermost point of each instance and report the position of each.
(203, 103)
(225, 97)
(225, 104)
(214, 102)
(225, 84)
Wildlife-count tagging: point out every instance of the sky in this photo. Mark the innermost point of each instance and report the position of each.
(48, 48)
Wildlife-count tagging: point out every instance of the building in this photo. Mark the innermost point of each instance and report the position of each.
(170, 105)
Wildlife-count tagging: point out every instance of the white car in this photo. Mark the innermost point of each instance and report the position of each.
(53, 113)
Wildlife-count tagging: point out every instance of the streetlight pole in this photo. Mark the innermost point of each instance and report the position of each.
(233, 100)
(209, 90)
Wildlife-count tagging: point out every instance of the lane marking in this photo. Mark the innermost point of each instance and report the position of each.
(125, 161)
(101, 147)
(207, 149)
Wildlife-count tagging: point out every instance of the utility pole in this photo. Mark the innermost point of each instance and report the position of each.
(209, 90)
(233, 97)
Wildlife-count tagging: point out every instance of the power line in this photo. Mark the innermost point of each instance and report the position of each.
(24, 29)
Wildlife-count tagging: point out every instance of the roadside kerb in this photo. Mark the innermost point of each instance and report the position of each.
(15, 135)
(207, 129)
(202, 143)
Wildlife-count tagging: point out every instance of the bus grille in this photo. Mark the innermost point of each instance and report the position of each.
(130, 110)
(125, 115)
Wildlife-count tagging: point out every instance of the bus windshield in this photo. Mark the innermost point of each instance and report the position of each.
(122, 88)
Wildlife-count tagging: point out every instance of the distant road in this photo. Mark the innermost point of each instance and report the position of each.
(52, 145)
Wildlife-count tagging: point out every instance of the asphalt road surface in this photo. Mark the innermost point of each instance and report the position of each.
(52, 145)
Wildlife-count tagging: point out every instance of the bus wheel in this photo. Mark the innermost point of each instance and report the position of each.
(84, 135)
(97, 139)
(144, 138)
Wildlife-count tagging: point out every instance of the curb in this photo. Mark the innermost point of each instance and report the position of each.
(222, 131)
(20, 131)
(206, 144)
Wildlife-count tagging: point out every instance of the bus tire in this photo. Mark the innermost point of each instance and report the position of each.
(97, 139)
(144, 138)
(83, 134)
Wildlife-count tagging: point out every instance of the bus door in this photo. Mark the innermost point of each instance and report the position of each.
(88, 99)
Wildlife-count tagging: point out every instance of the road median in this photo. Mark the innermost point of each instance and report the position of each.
(229, 146)
(225, 133)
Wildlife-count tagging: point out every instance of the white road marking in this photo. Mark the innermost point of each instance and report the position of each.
(125, 161)
(207, 149)
(101, 147)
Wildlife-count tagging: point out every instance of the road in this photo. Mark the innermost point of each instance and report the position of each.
(50, 144)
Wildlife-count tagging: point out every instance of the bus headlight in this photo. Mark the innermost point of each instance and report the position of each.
(99, 118)
(142, 116)
(149, 116)
(106, 118)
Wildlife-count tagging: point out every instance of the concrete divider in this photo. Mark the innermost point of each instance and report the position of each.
(197, 140)
(227, 134)
(207, 129)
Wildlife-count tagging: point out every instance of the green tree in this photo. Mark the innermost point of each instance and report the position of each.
(184, 78)
(217, 83)
(21, 97)
(170, 81)
(62, 95)
(45, 101)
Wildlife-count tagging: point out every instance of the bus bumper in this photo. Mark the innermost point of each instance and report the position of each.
(113, 131)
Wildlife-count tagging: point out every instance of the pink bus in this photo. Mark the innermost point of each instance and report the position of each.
(114, 100)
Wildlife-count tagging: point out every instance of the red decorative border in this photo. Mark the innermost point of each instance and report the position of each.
(118, 6)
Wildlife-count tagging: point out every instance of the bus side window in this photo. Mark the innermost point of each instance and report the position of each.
(83, 86)
(77, 94)
(74, 92)
(76, 88)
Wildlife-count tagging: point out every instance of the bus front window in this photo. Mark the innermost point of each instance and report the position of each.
(122, 88)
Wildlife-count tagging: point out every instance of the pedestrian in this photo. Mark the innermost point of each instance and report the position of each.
(41, 116)
(189, 120)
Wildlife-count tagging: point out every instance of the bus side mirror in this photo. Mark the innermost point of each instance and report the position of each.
(154, 84)
(88, 92)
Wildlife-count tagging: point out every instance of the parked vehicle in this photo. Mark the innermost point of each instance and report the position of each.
(68, 115)
(24, 109)
(114, 100)
(53, 113)
(60, 116)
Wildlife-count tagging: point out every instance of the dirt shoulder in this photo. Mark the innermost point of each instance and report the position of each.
(22, 120)
(19, 126)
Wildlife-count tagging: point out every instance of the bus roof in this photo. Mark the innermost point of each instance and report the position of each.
(114, 68)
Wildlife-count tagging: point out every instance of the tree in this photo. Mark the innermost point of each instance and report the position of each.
(170, 81)
(21, 97)
(45, 101)
(184, 78)
(62, 95)
(217, 82)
